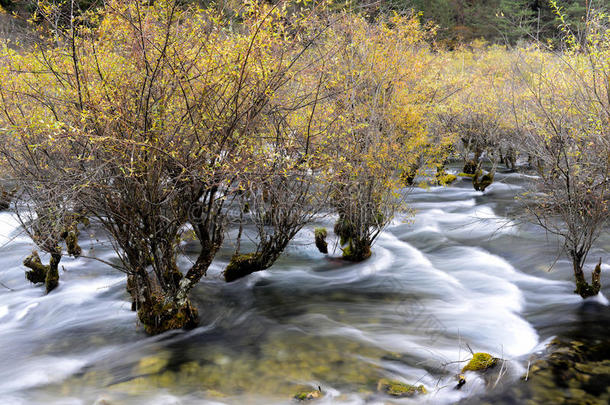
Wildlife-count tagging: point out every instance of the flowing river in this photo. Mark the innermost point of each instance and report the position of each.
(457, 275)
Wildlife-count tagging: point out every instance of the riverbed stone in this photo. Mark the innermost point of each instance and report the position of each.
(399, 389)
(308, 395)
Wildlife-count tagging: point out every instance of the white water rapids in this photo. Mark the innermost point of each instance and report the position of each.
(458, 274)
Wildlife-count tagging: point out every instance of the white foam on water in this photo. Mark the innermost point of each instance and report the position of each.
(3, 311)
(42, 370)
(23, 313)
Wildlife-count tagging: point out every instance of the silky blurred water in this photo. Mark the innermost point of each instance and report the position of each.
(458, 274)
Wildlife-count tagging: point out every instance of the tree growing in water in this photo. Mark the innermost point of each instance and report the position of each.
(566, 131)
(144, 116)
(381, 97)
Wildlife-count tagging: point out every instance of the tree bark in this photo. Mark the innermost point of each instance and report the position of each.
(583, 288)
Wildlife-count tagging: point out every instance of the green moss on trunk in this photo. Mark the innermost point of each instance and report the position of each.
(470, 167)
(52, 279)
(71, 238)
(242, 265)
(356, 252)
(480, 182)
(320, 235)
(159, 314)
(38, 272)
(583, 288)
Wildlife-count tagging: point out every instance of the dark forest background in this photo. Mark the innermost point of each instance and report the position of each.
(499, 21)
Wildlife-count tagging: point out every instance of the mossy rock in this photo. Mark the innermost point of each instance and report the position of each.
(320, 235)
(308, 395)
(399, 389)
(151, 365)
(480, 362)
(242, 265)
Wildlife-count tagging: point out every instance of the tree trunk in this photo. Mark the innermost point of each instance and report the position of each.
(40, 273)
(246, 264)
(52, 279)
(583, 288)
(357, 250)
(159, 311)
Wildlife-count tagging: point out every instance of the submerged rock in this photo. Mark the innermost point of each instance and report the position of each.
(399, 389)
(571, 372)
(308, 395)
(151, 364)
(480, 362)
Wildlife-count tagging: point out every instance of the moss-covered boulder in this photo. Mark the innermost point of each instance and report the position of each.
(480, 362)
(399, 389)
(242, 265)
(568, 372)
(320, 235)
(308, 395)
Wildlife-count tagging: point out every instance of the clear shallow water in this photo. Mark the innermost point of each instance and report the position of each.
(459, 273)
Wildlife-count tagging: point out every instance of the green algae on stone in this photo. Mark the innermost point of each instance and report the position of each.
(399, 389)
(308, 395)
(151, 364)
(480, 362)
(571, 372)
